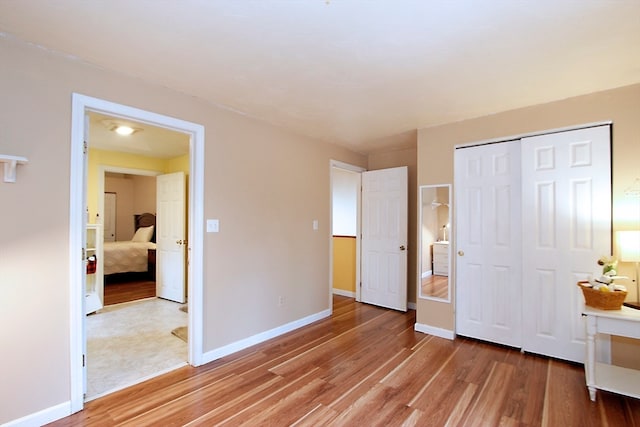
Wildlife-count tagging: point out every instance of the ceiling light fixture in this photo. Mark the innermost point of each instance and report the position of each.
(120, 128)
(124, 130)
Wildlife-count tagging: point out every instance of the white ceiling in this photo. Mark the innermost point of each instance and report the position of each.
(364, 74)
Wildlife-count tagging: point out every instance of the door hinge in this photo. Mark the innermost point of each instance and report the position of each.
(85, 146)
(83, 361)
(84, 254)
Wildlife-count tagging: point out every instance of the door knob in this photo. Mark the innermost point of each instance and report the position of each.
(402, 248)
(181, 242)
(461, 253)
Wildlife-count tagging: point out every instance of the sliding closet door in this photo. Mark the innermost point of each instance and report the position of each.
(566, 195)
(488, 261)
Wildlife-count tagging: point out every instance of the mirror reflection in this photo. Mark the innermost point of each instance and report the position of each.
(435, 235)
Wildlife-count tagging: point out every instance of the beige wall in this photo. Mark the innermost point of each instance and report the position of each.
(135, 194)
(264, 184)
(622, 106)
(405, 157)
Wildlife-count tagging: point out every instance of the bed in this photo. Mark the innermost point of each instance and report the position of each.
(131, 256)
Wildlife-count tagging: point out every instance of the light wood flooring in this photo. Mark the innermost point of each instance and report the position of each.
(435, 286)
(365, 366)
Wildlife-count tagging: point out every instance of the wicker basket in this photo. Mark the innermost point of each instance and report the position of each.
(602, 300)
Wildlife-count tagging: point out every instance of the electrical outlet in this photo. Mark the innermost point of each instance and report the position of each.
(280, 301)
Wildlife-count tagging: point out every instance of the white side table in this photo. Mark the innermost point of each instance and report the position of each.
(624, 322)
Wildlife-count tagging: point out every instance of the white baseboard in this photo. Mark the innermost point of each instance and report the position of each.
(432, 330)
(228, 349)
(43, 417)
(343, 293)
(426, 274)
(412, 305)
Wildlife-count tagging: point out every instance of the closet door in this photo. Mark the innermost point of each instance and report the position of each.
(488, 243)
(566, 193)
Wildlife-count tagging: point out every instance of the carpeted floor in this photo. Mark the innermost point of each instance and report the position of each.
(132, 341)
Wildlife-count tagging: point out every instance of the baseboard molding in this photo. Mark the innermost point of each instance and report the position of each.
(432, 330)
(43, 417)
(343, 293)
(412, 305)
(212, 355)
(426, 274)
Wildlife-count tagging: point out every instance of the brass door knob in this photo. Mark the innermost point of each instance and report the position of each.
(461, 253)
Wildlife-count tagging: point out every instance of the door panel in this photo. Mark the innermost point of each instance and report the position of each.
(170, 237)
(384, 238)
(488, 242)
(567, 211)
(110, 217)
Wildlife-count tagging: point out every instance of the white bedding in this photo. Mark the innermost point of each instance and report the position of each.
(126, 256)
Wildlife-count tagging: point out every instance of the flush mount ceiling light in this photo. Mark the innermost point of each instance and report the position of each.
(120, 128)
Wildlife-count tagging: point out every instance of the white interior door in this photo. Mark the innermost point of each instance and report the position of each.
(567, 215)
(170, 237)
(110, 217)
(384, 238)
(488, 241)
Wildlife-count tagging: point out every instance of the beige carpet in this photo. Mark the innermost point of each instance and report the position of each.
(132, 341)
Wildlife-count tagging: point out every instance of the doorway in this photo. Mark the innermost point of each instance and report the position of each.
(345, 182)
(78, 214)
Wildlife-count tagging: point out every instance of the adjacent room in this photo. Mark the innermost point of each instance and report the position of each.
(328, 212)
(134, 329)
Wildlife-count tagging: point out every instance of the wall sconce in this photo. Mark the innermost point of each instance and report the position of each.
(630, 252)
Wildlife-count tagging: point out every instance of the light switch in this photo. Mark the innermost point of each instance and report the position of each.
(315, 224)
(213, 226)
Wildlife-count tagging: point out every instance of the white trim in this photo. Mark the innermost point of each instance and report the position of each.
(343, 293)
(43, 417)
(530, 134)
(412, 305)
(81, 104)
(426, 274)
(432, 330)
(263, 336)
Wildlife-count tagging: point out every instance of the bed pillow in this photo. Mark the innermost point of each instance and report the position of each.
(143, 234)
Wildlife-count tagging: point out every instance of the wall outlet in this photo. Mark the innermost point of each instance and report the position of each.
(280, 301)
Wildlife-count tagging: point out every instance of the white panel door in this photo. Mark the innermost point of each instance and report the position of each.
(566, 179)
(384, 238)
(488, 241)
(110, 217)
(170, 237)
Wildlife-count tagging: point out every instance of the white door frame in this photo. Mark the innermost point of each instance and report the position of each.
(350, 168)
(80, 105)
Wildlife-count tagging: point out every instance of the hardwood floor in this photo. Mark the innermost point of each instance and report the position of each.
(365, 366)
(435, 286)
(128, 289)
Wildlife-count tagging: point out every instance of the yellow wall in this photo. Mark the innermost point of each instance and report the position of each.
(344, 263)
(178, 164)
(265, 185)
(622, 106)
(99, 158)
